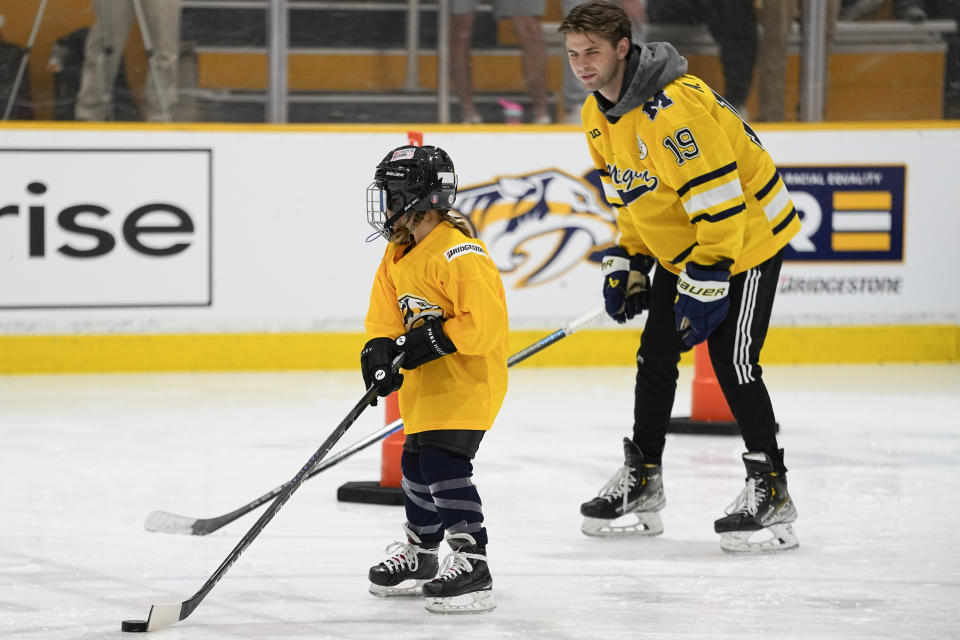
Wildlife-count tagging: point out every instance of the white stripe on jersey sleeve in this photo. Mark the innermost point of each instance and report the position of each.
(712, 197)
(777, 204)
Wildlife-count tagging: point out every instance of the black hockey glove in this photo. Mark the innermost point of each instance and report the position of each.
(702, 301)
(376, 365)
(424, 344)
(625, 283)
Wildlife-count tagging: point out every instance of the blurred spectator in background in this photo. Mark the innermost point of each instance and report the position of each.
(920, 10)
(10, 57)
(525, 17)
(574, 92)
(103, 52)
(733, 26)
(909, 10)
(776, 18)
(859, 9)
(914, 10)
(66, 65)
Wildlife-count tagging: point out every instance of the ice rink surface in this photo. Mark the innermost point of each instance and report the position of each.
(874, 453)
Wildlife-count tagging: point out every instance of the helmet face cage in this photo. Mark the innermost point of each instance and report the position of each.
(410, 179)
(377, 209)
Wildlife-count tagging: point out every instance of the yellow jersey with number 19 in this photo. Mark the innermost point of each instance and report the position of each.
(690, 180)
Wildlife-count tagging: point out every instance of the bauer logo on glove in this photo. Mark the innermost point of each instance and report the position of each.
(700, 292)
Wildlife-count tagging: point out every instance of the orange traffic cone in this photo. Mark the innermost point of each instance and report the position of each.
(387, 490)
(708, 404)
(710, 414)
(392, 448)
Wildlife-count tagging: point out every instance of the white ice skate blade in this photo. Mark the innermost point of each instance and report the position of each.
(773, 539)
(407, 588)
(635, 524)
(475, 602)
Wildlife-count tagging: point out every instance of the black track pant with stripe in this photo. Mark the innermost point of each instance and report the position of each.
(734, 351)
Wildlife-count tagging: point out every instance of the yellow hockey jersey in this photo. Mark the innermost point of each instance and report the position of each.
(451, 276)
(690, 179)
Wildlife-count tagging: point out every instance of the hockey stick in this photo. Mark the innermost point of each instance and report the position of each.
(164, 522)
(557, 335)
(164, 615)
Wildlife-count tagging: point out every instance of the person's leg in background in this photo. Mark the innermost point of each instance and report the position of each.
(110, 30)
(674, 11)
(776, 17)
(733, 25)
(461, 35)
(163, 21)
(574, 93)
(525, 18)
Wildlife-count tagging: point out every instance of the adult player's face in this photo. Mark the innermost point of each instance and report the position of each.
(596, 62)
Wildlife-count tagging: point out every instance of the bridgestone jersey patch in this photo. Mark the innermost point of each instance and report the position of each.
(463, 249)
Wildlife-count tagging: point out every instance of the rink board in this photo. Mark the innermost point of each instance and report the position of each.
(590, 347)
(181, 247)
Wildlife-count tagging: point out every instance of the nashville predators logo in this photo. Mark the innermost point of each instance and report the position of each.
(538, 226)
(416, 310)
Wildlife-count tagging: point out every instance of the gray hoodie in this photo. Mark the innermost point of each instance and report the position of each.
(650, 67)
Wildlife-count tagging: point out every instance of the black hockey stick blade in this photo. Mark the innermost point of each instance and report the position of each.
(165, 522)
(164, 615)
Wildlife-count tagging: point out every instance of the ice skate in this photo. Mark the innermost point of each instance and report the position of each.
(464, 584)
(409, 566)
(758, 521)
(628, 504)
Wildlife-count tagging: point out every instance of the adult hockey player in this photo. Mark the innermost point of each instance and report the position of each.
(438, 299)
(699, 198)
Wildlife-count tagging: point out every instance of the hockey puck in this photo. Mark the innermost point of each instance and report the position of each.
(133, 625)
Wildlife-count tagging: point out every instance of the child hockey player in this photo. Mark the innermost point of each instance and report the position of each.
(437, 299)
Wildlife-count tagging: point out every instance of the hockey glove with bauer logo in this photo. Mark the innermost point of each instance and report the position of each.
(702, 301)
(625, 283)
(424, 344)
(376, 365)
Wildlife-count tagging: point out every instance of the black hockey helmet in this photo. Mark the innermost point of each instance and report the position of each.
(410, 179)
